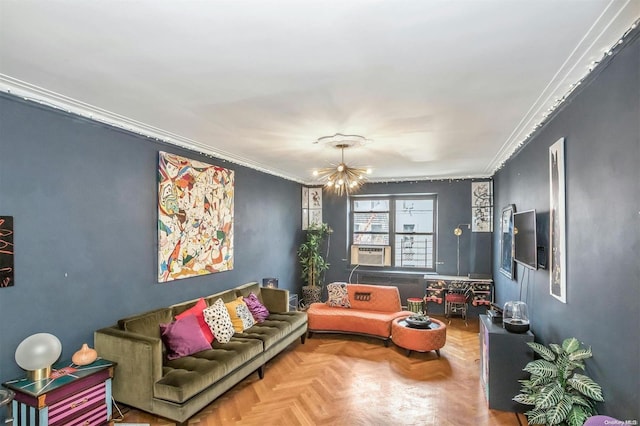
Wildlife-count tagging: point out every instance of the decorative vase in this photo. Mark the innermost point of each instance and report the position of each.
(310, 294)
(84, 356)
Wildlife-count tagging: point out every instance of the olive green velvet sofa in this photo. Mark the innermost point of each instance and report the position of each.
(177, 389)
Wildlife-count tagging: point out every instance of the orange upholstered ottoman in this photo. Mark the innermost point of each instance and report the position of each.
(419, 339)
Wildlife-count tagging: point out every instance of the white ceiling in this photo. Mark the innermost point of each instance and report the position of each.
(443, 89)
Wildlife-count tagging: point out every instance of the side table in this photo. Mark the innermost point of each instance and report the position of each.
(419, 339)
(72, 394)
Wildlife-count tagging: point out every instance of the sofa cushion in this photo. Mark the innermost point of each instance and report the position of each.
(381, 298)
(226, 296)
(183, 337)
(246, 289)
(326, 318)
(258, 310)
(275, 327)
(294, 318)
(338, 295)
(218, 319)
(196, 310)
(240, 315)
(187, 376)
(147, 323)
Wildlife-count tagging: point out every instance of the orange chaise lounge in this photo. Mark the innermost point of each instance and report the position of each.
(360, 309)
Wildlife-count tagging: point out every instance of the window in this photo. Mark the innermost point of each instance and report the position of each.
(406, 223)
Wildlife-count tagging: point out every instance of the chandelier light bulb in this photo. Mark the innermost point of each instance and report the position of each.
(341, 168)
(315, 173)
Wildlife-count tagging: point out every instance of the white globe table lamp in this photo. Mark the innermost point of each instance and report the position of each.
(37, 353)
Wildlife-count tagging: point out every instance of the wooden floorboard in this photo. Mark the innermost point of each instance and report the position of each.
(350, 380)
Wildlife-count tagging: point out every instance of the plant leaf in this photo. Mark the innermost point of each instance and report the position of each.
(580, 400)
(576, 364)
(541, 367)
(541, 381)
(536, 417)
(542, 350)
(580, 354)
(570, 345)
(556, 348)
(524, 398)
(586, 386)
(549, 395)
(559, 412)
(577, 416)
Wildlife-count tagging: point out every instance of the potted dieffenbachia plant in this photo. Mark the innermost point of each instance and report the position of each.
(559, 395)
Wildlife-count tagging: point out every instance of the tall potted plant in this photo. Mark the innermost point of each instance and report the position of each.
(313, 263)
(559, 396)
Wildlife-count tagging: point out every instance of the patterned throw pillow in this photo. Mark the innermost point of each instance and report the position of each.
(258, 310)
(183, 337)
(219, 321)
(338, 295)
(241, 317)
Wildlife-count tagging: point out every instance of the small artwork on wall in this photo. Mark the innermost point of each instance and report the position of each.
(6, 251)
(482, 206)
(315, 198)
(311, 206)
(557, 237)
(195, 218)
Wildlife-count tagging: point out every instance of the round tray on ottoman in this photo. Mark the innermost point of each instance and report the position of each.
(430, 338)
(413, 323)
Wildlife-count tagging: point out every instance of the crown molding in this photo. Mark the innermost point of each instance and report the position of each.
(600, 42)
(32, 93)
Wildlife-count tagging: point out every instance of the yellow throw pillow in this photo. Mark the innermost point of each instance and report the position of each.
(241, 317)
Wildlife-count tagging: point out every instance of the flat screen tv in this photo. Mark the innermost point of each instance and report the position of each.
(524, 236)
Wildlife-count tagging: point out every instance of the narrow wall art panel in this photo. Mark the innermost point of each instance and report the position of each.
(482, 206)
(557, 237)
(195, 218)
(6, 251)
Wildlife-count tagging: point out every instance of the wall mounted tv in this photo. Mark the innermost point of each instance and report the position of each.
(524, 236)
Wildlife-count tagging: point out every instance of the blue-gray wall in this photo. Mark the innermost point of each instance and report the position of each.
(602, 154)
(454, 207)
(83, 198)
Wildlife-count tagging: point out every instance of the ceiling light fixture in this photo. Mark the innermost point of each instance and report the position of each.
(342, 179)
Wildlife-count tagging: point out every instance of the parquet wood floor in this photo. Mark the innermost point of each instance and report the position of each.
(350, 380)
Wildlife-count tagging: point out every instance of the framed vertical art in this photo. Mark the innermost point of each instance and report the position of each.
(311, 206)
(6, 251)
(315, 198)
(195, 218)
(482, 206)
(557, 223)
(506, 241)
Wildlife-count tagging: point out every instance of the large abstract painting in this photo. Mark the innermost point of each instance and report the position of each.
(6, 251)
(557, 237)
(195, 218)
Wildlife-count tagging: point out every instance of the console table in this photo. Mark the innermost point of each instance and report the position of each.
(438, 286)
(72, 394)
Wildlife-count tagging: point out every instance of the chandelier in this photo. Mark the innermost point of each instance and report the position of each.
(342, 179)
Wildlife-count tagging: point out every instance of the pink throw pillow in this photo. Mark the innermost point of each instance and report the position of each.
(183, 337)
(196, 310)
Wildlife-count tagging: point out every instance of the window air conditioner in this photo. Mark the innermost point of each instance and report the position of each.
(371, 255)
